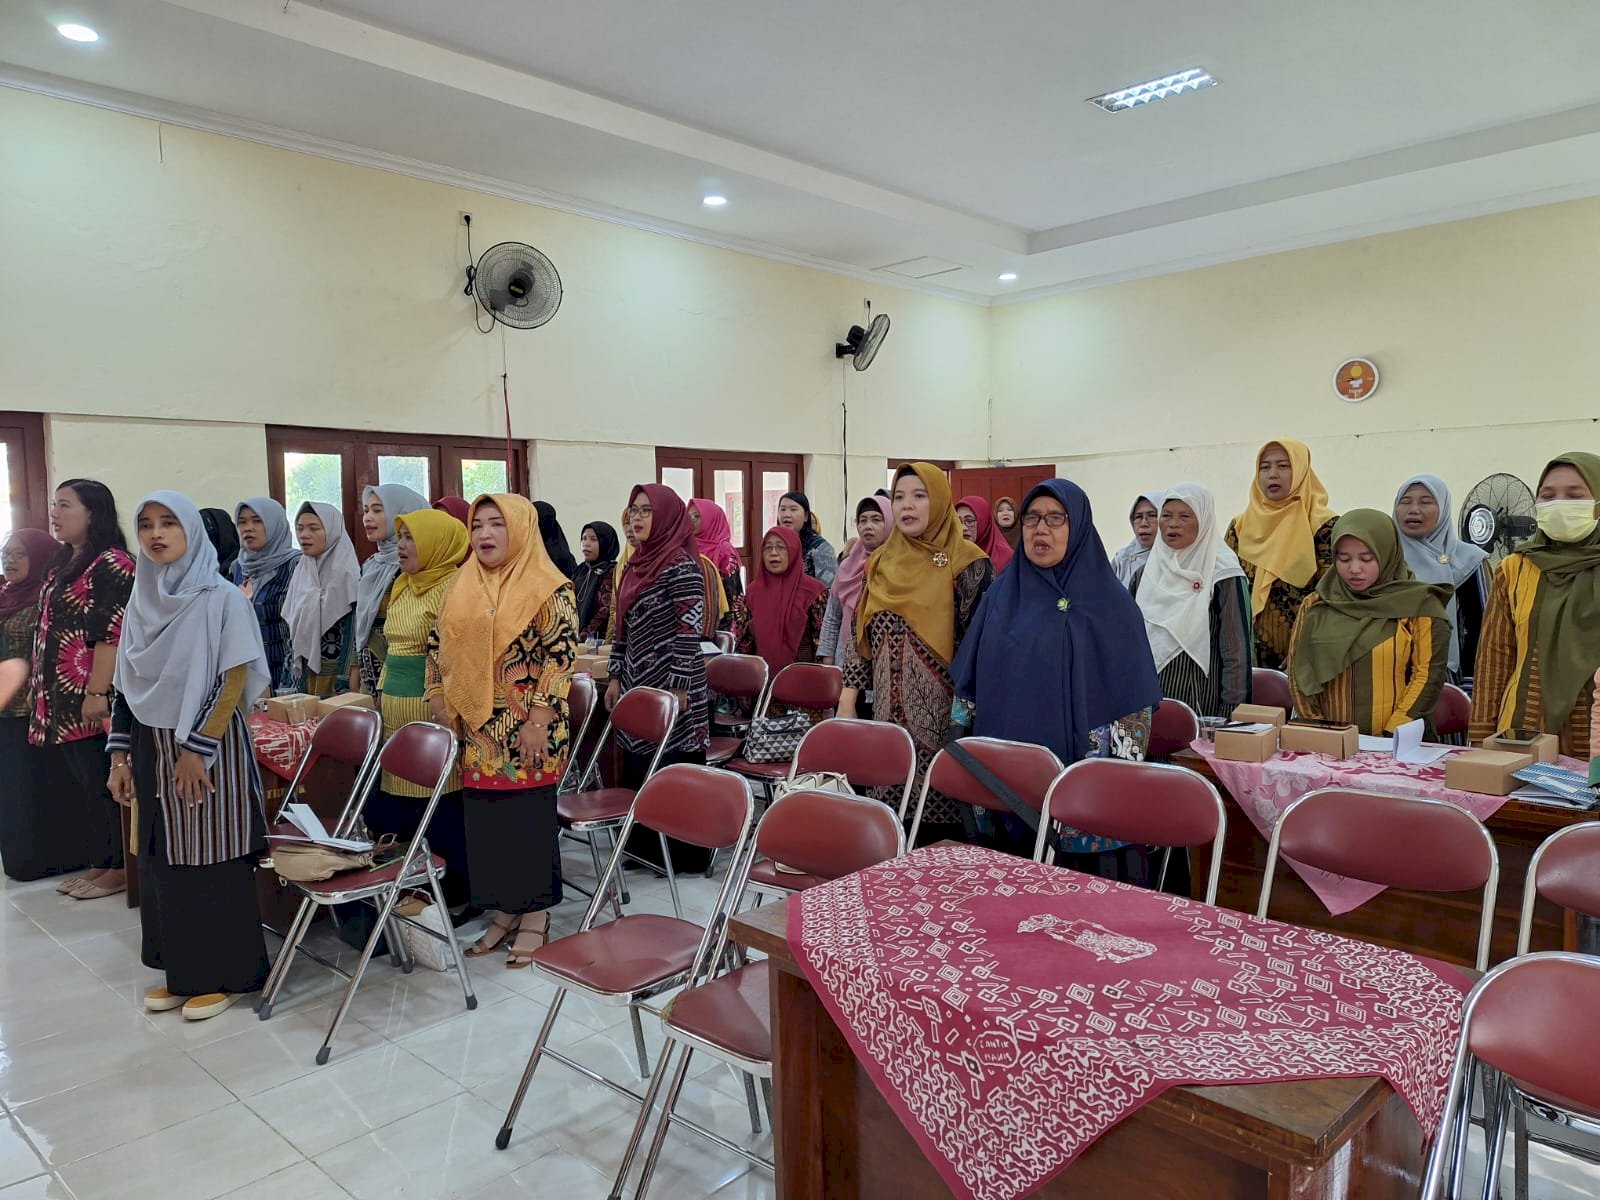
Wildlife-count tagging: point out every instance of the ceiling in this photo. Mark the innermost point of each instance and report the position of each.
(860, 136)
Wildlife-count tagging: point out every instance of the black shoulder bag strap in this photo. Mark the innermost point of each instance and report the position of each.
(980, 771)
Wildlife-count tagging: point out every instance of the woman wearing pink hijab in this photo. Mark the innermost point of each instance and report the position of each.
(839, 622)
(713, 540)
(977, 522)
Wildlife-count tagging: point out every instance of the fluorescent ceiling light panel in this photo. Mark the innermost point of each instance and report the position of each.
(1190, 80)
(714, 201)
(77, 33)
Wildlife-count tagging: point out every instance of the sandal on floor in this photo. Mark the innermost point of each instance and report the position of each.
(527, 941)
(93, 891)
(501, 927)
(70, 884)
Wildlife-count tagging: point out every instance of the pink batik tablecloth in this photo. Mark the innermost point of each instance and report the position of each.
(279, 746)
(1011, 1012)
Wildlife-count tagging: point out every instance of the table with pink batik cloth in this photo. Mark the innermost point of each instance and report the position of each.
(1030, 1029)
(280, 745)
(1443, 926)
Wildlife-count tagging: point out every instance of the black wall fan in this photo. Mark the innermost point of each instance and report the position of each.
(516, 285)
(861, 345)
(1497, 514)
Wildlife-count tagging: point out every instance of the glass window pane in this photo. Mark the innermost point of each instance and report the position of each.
(773, 485)
(8, 513)
(318, 477)
(482, 477)
(727, 489)
(411, 470)
(680, 480)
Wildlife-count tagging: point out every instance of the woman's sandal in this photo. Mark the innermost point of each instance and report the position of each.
(501, 927)
(528, 940)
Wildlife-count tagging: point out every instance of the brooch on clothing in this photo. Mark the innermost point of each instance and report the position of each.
(1196, 585)
(941, 559)
(1063, 604)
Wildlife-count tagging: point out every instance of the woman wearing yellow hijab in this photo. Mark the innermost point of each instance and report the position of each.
(430, 544)
(1284, 539)
(922, 588)
(499, 668)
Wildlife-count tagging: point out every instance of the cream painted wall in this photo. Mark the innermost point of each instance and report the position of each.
(588, 481)
(1483, 332)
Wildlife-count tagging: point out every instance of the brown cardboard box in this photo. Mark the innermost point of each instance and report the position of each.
(1485, 771)
(1545, 747)
(292, 708)
(594, 665)
(1340, 741)
(1254, 744)
(344, 700)
(1259, 712)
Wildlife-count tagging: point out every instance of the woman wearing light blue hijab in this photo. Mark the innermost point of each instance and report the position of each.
(189, 666)
(1436, 555)
(380, 505)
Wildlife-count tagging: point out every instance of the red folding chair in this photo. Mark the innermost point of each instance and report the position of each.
(1397, 841)
(808, 687)
(423, 754)
(870, 754)
(1027, 769)
(1452, 715)
(638, 956)
(582, 697)
(733, 677)
(1152, 804)
(347, 736)
(826, 835)
(1271, 688)
(1174, 728)
(1520, 1025)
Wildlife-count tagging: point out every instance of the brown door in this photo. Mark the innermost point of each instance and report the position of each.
(747, 486)
(990, 483)
(22, 467)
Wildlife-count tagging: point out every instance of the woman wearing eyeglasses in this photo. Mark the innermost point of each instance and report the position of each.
(1057, 655)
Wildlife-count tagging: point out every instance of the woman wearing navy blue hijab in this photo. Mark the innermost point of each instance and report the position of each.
(1057, 654)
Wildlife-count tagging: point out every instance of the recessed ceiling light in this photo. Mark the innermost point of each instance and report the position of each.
(1190, 80)
(77, 33)
(1008, 277)
(714, 201)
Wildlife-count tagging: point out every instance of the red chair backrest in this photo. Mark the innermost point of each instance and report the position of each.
(1453, 712)
(580, 701)
(1173, 728)
(1270, 687)
(421, 753)
(829, 834)
(1521, 1022)
(1148, 803)
(1398, 841)
(1568, 870)
(867, 753)
(1027, 769)
(701, 805)
(740, 675)
(812, 686)
(346, 735)
(646, 713)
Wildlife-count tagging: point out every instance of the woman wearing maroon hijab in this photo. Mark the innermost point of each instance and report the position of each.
(780, 617)
(977, 522)
(26, 846)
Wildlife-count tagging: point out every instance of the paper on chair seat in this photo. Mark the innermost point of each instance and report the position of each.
(311, 828)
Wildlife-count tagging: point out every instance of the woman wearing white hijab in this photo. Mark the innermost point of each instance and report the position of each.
(1144, 516)
(320, 606)
(380, 505)
(1436, 555)
(189, 665)
(1196, 605)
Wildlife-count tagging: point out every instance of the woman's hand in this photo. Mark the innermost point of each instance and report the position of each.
(120, 782)
(847, 703)
(533, 743)
(439, 711)
(96, 708)
(193, 778)
(613, 694)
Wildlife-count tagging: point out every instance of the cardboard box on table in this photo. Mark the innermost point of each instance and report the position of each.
(1340, 741)
(345, 700)
(1544, 747)
(292, 708)
(594, 665)
(1489, 772)
(1259, 712)
(1253, 744)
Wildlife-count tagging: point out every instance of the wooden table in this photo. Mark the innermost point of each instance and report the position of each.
(835, 1137)
(1443, 926)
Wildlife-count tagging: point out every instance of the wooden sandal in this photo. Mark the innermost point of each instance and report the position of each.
(501, 927)
(528, 940)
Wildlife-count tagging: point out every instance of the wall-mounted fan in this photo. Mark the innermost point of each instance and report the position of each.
(1498, 514)
(861, 345)
(516, 285)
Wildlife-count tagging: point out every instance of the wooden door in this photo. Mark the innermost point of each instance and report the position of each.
(990, 483)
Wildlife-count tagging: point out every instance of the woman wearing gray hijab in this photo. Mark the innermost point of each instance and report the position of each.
(1436, 555)
(380, 505)
(189, 666)
(267, 557)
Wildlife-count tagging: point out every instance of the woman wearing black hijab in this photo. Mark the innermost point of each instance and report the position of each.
(794, 510)
(593, 581)
(224, 536)
(555, 541)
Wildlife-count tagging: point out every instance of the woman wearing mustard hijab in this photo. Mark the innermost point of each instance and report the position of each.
(1284, 542)
(922, 588)
(1540, 643)
(500, 665)
(1372, 645)
(430, 543)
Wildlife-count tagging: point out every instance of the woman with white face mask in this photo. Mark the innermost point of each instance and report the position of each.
(1540, 645)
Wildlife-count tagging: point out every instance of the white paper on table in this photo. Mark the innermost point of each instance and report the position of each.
(1379, 745)
(1408, 747)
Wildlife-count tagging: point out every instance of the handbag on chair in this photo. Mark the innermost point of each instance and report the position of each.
(775, 739)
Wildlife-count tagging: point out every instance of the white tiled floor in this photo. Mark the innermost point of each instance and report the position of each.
(99, 1099)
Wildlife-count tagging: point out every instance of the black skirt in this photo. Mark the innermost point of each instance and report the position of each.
(687, 859)
(81, 812)
(447, 833)
(513, 864)
(35, 838)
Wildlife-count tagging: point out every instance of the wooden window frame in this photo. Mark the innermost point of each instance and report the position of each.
(23, 433)
(704, 463)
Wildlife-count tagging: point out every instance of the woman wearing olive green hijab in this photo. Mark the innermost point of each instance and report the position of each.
(1372, 644)
(1540, 644)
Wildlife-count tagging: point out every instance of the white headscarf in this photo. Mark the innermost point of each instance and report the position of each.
(1175, 592)
(1125, 563)
(382, 567)
(185, 626)
(1439, 556)
(322, 589)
